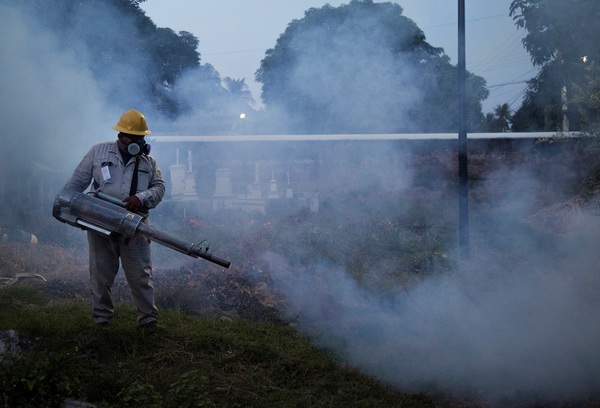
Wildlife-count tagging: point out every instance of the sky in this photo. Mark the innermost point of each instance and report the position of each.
(235, 34)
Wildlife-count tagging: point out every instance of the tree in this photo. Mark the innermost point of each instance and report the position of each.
(136, 62)
(240, 93)
(500, 120)
(363, 67)
(561, 39)
(503, 117)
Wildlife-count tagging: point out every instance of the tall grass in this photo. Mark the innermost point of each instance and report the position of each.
(194, 362)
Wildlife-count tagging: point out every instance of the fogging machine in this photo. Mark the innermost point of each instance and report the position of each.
(107, 215)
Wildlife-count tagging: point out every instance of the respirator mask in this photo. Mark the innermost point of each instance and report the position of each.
(138, 147)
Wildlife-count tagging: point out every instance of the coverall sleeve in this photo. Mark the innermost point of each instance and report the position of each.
(82, 176)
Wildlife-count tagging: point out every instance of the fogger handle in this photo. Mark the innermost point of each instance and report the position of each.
(116, 201)
(109, 198)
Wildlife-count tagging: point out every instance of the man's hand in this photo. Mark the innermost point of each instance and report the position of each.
(132, 203)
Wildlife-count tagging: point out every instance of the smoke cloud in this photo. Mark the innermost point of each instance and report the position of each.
(517, 324)
(518, 338)
(358, 81)
(51, 106)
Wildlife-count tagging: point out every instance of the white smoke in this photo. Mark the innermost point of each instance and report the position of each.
(357, 80)
(516, 338)
(518, 324)
(346, 76)
(50, 104)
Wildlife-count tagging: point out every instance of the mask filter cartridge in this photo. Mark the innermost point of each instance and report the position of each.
(133, 149)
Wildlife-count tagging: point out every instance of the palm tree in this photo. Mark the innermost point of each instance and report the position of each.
(238, 90)
(500, 120)
(503, 117)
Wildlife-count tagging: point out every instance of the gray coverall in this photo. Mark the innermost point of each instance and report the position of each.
(103, 165)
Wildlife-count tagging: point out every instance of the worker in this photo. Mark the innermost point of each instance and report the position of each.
(122, 169)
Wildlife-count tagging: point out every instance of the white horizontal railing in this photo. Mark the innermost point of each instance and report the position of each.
(342, 137)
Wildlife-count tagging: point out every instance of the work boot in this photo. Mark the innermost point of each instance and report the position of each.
(102, 325)
(151, 326)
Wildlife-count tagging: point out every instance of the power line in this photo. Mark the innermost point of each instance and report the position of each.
(468, 21)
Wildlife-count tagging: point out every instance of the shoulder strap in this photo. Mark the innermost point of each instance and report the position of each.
(134, 179)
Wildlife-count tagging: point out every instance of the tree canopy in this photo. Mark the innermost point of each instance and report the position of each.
(135, 62)
(562, 40)
(363, 67)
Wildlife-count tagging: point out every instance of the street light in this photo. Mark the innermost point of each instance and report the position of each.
(242, 117)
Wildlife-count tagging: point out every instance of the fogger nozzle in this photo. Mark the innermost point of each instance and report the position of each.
(108, 217)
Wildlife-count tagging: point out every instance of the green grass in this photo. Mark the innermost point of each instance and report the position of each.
(194, 362)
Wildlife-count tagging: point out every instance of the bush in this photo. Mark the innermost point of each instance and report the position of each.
(34, 379)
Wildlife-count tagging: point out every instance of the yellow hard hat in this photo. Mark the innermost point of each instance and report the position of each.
(132, 122)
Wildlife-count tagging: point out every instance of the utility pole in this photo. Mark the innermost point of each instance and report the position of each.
(463, 176)
(563, 98)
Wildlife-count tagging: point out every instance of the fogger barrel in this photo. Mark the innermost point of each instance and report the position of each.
(109, 217)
